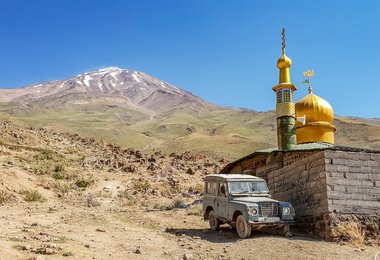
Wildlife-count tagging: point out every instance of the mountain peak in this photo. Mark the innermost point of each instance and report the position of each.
(138, 89)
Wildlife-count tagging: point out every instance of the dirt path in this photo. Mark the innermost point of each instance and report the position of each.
(61, 231)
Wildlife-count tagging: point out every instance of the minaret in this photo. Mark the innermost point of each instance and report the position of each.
(285, 108)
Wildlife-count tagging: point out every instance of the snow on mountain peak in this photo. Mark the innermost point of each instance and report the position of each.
(109, 68)
(137, 88)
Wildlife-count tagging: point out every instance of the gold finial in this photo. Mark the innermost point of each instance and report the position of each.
(308, 74)
(283, 41)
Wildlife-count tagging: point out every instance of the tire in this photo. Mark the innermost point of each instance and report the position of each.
(243, 228)
(213, 221)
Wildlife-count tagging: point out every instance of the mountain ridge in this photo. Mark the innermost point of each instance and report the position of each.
(137, 89)
(134, 109)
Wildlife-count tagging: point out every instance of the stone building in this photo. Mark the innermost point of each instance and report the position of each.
(328, 184)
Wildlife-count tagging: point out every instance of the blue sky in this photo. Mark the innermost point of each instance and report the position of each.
(223, 51)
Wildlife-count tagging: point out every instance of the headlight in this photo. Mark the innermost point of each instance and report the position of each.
(285, 211)
(252, 211)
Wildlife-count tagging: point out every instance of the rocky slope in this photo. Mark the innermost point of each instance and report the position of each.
(63, 196)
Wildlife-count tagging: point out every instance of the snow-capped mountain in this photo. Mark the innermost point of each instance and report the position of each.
(110, 84)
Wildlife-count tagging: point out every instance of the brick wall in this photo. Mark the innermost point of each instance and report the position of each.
(326, 188)
(303, 183)
(353, 182)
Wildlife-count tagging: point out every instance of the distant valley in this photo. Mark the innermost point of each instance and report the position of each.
(134, 109)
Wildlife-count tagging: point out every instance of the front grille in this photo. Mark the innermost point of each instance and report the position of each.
(268, 209)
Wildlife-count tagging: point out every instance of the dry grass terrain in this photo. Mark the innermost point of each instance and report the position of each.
(228, 133)
(67, 197)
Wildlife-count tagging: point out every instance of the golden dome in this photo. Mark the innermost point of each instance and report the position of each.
(284, 62)
(318, 125)
(315, 108)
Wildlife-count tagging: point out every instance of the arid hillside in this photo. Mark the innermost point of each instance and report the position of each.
(67, 197)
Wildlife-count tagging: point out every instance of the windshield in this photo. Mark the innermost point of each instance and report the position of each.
(248, 187)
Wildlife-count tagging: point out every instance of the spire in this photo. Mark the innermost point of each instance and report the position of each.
(284, 62)
(283, 41)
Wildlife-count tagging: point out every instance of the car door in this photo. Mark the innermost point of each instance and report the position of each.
(222, 201)
(210, 198)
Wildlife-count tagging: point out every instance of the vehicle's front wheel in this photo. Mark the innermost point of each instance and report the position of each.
(285, 231)
(243, 228)
(213, 221)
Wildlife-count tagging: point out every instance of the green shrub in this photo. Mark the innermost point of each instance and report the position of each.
(58, 175)
(32, 196)
(83, 183)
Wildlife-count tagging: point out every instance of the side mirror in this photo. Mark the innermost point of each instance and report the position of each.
(223, 190)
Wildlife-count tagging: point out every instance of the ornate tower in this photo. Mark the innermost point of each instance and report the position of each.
(319, 116)
(285, 109)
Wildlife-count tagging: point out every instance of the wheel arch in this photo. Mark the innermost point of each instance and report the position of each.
(236, 214)
(207, 211)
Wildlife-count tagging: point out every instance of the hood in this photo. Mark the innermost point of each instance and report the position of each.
(253, 199)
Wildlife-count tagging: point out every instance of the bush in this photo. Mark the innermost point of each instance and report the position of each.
(58, 176)
(59, 168)
(83, 183)
(32, 196)
(63, 189)
(45, 154)
(41, 167)
(141, 186)
(5, 197)
(352, 231)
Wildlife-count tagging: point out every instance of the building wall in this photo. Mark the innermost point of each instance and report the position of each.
(329, 187)
(302, 182)
(353, 182)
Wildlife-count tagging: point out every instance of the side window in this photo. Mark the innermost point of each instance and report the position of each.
(222, 190)
(211, 188)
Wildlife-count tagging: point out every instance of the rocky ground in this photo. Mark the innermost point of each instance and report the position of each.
(66, 197)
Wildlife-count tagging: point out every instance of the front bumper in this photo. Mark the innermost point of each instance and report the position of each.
(266, 223)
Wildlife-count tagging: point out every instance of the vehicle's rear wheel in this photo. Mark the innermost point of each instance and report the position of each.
(243, 228)
(213, 221)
